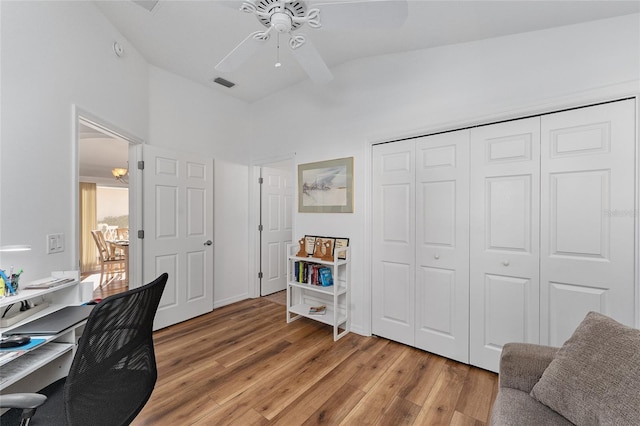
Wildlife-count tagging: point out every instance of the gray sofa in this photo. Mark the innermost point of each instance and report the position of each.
(521, 366)
(594, 379)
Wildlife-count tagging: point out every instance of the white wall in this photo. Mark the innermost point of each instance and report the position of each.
(384, 98)
(54, 55)
(189, 117)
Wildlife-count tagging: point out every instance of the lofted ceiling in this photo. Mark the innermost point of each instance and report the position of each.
(189, 38)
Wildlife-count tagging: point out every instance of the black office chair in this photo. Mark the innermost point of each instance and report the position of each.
(113, 371)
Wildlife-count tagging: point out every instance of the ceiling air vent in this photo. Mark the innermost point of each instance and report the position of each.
(147, 4)
(222, 81)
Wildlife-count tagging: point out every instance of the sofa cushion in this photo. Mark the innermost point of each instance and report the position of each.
(514, 407)
(595, 376)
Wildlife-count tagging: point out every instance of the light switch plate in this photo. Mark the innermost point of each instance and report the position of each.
(55, 243)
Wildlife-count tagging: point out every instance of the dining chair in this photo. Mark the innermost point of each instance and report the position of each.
(107, 257)
(122, 234)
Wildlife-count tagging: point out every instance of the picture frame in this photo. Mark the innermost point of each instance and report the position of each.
(310, 244)
(323, 240)
(326, 186)
(339, 243)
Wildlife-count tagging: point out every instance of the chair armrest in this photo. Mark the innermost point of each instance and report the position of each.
(23, 401)
(522, 364)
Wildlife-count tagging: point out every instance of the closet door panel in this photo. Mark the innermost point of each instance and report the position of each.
(442, 246)
(393, 240)
(588, 217)
(568, 305)
(504, 238)
(506, 314)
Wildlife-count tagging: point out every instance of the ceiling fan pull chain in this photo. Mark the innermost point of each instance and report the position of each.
(278, 64)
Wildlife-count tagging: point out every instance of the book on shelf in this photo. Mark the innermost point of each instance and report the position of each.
(312, 273)
(317, 310)
(326, 279)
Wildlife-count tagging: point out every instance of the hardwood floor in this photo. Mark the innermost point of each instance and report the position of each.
(243, 364)
(114, 285)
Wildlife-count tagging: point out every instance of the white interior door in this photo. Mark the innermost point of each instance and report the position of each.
(588, 216)
(393, 241)
(178, 225)
(277, 228)
(442, 244)
(504, 219)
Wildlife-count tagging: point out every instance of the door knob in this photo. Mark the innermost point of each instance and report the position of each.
(505, 263)
(208, 243)
(436, 256)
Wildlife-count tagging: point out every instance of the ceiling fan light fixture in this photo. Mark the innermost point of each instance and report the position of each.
(281, 22)
(121, 174)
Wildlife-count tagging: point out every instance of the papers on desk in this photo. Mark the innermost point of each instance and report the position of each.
(47, 283)
(23, 362)
(7, 354)
(5, 357)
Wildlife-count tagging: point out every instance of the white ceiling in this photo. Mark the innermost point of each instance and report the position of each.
(98, 153)
(189, 38)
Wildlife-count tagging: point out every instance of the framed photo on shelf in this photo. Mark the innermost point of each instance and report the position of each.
(321, 242)
(310, 244)
(341, 242)
(326, 186)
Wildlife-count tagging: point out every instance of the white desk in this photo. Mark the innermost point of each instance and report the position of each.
(50, 361)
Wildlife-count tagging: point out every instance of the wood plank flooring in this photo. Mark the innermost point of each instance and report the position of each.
(243, 364)
(116, 284)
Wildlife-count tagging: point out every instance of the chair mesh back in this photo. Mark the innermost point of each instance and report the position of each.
(114, 370)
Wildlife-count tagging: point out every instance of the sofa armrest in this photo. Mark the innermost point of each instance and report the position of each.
(522, 364)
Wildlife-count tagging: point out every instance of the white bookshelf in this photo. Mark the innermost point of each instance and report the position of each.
(301, 296)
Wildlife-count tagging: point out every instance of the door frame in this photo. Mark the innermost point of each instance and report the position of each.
(135, 188)
(254, 216)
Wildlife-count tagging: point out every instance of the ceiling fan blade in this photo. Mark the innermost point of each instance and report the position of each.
(372, 14)
(309, 59)
(247, 48)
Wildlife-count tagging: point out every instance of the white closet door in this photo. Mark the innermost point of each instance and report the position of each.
(442, 244)
(504, 218)
(588, 208)
(393, 263)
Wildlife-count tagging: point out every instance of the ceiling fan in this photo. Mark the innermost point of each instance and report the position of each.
(287, 16)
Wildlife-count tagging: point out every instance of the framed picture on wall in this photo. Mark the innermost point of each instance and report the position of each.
(326, 186)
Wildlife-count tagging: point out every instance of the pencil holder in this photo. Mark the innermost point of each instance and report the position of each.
(14, 284)
(9, 287)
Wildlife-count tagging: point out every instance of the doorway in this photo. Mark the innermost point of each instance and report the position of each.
(275, 225)
(104, 207)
